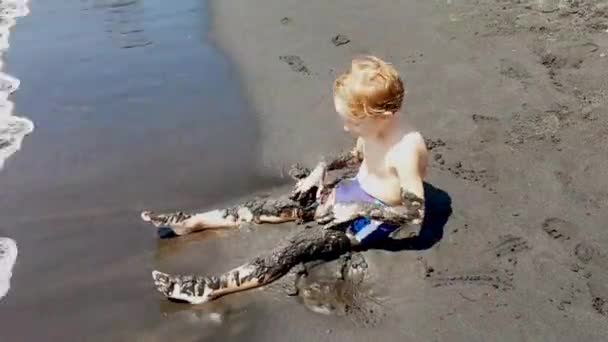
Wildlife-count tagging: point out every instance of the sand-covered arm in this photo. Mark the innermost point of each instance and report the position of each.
(346, 159)
(410, 211)
(409, 163)
(315, 180)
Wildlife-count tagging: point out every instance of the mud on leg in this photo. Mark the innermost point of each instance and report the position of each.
(306, 245)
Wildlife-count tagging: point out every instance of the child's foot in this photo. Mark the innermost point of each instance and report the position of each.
(177, 222)
(193, 290)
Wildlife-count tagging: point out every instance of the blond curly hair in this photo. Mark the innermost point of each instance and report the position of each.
(372, 88)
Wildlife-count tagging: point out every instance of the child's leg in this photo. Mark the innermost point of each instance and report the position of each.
(308, 244)
(298, 206)
(259, 210)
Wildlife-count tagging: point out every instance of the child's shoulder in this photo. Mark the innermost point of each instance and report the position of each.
(410, 146)
(412, 141)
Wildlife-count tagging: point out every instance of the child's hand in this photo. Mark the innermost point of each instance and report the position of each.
(412, 207)
(341, 213)
(314, 179)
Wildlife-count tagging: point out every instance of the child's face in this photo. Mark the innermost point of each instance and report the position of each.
(362, 127)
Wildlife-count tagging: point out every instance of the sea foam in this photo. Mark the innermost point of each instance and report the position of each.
(12, 128)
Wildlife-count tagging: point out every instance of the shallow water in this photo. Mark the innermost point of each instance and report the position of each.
(134, 109)
(136, 86)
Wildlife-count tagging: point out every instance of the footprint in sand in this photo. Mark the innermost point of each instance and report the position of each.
(585, 257)
(558, 229)
(598, 290)
(584, 252)
(8, 257)
(340, 39)
(295, 63)
(458, 168)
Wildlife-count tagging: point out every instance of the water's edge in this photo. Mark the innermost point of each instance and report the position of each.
(12, 128)
(8, 257)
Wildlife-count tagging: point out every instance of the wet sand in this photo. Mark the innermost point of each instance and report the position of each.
(131, 113)
(134, 109)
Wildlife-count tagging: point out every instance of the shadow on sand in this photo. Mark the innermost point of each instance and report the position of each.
(438, 211)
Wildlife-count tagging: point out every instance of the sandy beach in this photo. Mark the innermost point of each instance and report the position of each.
(513, 99)
(131, 113)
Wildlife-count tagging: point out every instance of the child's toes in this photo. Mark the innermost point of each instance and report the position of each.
(165, 220)
(145, 215)
(189, 289)
(154, 219)
(163, 282)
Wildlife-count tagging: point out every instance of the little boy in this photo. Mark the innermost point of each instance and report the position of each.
(387, 192)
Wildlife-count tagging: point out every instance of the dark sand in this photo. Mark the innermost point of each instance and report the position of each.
(517, 92)
(513, 96)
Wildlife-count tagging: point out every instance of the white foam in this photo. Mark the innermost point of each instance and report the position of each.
(8, 257)
(12, 128)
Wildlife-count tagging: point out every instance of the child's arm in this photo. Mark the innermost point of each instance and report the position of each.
(410, 164)
(316, 178)
(407, 163)
(345, 159)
